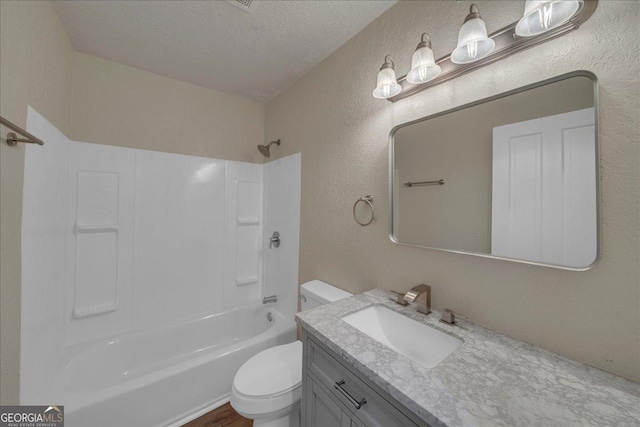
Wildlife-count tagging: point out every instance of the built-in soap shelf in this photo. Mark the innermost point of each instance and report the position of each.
(80, 229)
(244, 222)
(103, 309)
(248, 221)
(247, 280)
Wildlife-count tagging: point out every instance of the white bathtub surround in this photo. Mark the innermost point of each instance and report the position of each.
(143, 274)
(491, 379)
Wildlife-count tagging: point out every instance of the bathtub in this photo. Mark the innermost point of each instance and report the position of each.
(166, 376)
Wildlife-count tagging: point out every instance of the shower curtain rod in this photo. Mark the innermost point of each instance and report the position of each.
(12, 138)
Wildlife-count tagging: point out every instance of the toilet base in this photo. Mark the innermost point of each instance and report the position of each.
(292, 419)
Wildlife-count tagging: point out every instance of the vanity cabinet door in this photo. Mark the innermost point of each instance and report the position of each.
(322, 411)
(343, 386)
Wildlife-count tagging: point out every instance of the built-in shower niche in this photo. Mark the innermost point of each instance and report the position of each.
(244, 228)
(96, 233)
(99, 241)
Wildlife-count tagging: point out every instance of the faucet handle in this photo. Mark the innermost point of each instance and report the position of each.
(399, 298)
(448, 316)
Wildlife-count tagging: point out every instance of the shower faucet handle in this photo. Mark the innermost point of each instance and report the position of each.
(274, 240)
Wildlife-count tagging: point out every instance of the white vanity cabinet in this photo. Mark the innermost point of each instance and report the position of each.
(334, 394)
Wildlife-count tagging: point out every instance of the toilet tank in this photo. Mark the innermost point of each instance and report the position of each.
(316, 293)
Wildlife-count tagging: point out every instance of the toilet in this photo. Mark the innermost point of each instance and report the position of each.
(268, 387)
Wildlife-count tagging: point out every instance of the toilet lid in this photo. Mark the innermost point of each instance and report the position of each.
(271, 372)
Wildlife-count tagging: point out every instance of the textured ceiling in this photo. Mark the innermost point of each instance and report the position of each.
(255, 54)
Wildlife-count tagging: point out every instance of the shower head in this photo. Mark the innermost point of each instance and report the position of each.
(264, 149)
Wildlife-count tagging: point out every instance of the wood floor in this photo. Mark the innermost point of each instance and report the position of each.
(224, 416)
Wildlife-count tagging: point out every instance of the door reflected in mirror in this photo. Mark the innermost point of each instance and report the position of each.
(514, 176)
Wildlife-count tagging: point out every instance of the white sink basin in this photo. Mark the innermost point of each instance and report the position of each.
(420, 343)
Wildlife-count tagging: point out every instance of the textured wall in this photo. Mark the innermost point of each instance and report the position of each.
(115, 104)
(342, 132)
(35, 69)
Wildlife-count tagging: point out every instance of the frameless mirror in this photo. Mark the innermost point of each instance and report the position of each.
(514, 176)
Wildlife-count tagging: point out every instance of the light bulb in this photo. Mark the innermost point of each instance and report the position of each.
(473, 41)
(542, 16)
(387, 84)
(423, 66)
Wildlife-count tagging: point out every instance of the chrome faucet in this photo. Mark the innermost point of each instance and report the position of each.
(420, 293)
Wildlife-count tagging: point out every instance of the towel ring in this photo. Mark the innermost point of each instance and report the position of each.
(368, 200)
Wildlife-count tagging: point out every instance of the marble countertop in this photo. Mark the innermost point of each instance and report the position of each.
(490, 380)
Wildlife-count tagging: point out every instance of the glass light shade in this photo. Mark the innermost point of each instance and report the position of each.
(473, 42)
(542, 16)
(387, 85)
(423, 66)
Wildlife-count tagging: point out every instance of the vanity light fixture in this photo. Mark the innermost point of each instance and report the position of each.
(387, 85)
(542, 16)
(423, 66)
(473, 41)
(543, 20)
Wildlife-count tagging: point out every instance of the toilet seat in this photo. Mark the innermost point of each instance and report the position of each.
(270, 382)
